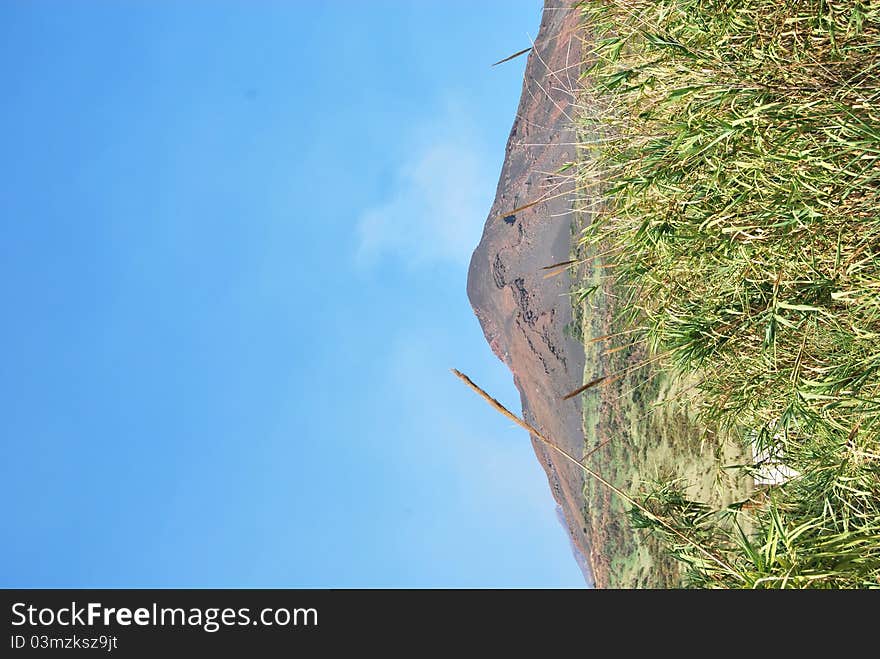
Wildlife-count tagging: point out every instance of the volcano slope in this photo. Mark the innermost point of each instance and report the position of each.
(522, 313)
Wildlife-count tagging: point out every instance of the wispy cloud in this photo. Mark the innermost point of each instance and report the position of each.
(438, 200)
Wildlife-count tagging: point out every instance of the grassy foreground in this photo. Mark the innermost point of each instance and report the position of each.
(731, 160)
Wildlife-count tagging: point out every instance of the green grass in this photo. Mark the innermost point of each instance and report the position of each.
(731, 169)
(638, 429)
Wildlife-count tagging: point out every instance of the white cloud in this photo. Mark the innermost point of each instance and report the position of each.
(438, 201)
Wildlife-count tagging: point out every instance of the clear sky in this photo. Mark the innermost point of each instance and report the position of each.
(235, 238)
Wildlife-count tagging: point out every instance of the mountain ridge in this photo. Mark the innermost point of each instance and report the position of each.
(522, 313)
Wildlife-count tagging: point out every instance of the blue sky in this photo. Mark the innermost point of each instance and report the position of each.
(234, 250)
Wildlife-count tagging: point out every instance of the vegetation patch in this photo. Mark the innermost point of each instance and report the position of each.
(731, 163)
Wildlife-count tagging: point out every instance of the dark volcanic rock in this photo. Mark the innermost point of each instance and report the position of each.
(522, 313)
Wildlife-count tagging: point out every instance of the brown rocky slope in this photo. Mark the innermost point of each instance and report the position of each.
(522, 313)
